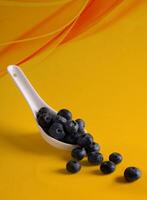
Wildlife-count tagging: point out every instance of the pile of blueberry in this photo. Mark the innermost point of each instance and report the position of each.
(63, 128)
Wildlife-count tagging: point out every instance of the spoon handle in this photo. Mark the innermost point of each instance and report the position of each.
(33, 99)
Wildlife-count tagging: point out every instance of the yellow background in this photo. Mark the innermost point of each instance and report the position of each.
(102, 79)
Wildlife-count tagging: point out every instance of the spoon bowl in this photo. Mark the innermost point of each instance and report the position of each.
(35, 103)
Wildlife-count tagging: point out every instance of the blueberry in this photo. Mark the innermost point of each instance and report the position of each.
(56, 131)
(71, 126)
(73, 166)
(85, 140)
(81, 131)
(60, 119)
(70, 139)
(44, 120)
(65, 113)
(78, 153)
(42, 111)
(81, 124)
(95, 158)
(115, 157)
(93, 147)
(107, 167)
(132, 174)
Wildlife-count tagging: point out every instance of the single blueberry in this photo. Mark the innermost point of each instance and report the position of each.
(132, 174)
(95, 158)
(42, 111)
(81, 124)
(78, 153)
(73, 166)
(65, 113)
(107, 167)
(85, 140)
(56, 131)
(71, 126)
(60, 119)
(93, 147)
(115, 157)
(44, 120)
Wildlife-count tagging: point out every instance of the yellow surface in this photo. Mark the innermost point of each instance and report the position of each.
(103, 79)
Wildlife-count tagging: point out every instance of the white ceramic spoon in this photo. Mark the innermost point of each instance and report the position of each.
(35, 102)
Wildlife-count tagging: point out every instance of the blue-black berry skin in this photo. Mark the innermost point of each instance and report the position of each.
(85, 140)
(81, 124)
(95, 158)
(71, 126)
(115, 157)
(56, 131)
(43, 110)
(60, 119)
(107, 167)
(73, 166)
(132, 174)
(93, 147)
(78, 153)
(44, 119)
(65, 113)
(70, 139)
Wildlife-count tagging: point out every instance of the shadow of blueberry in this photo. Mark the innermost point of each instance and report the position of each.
(120, 179)
(85, 163)
(97, 172)
(64, 172)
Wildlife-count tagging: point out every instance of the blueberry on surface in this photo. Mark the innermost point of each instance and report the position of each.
(107, 167)
(93, 147)
(65, 113)
(71, 126)
(85, 140)
(73, 166)
(132, 174)
(78, 153)
(56, 131)
(115, 157)
(95, 158)
(81, 124)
